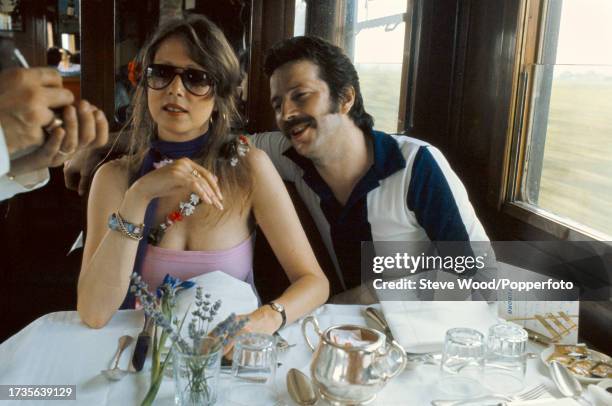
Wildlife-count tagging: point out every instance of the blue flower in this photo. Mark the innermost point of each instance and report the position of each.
(171, 283)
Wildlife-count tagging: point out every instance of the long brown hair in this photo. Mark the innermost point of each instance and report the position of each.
(209, 48)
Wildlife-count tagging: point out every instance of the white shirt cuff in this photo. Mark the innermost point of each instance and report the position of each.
(23, 183)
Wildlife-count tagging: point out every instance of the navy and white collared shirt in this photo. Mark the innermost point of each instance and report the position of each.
(410, 193)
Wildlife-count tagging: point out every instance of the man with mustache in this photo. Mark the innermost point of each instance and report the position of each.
(359, 184)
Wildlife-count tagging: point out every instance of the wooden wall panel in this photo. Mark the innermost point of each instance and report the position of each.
(32, 41)
(434, 72)
(464, 92)
(272, 22)
(98, 54)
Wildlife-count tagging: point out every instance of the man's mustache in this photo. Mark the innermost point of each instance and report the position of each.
(286, 126)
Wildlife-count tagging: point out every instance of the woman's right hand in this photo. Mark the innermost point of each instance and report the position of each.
(181, 176)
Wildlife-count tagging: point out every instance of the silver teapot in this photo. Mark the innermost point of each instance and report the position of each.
(348, 373)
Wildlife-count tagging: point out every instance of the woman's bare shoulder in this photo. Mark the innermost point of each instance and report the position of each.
(267, 181)
(259, 161)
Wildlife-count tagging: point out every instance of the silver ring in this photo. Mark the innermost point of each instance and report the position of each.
(62, 153)
(55, 123)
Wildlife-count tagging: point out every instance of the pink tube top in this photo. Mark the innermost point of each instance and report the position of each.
(236, 261)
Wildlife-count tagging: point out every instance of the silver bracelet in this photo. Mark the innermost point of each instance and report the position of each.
(118, 223)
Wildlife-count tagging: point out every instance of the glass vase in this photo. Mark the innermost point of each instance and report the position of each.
(196, 377)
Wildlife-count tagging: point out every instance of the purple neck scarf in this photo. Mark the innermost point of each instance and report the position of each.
(158, 150)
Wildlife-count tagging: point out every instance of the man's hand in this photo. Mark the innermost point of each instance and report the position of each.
(88, 130)
(85, 129)
(91, 133)
(78, 170)
(46, 156)
(26, 99)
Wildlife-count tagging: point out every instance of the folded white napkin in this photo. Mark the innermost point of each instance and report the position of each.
(421, 326)
(236, 296)
(547, 402)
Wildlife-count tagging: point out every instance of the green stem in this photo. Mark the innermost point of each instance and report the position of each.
(156, 380)
(157, 367)
(152, 393)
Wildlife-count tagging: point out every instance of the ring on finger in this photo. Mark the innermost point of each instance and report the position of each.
(55, 123)
(64, 153)
(196, 173)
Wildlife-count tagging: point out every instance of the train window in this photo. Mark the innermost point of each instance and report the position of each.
(380, 67)
(299, 27)
(373, 34)
(564, 169)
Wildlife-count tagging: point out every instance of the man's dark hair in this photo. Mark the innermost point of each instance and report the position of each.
(335, 68)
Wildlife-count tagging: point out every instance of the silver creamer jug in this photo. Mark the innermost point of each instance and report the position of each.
(352, 373)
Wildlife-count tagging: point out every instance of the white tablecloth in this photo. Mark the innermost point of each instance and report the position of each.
(57, 349)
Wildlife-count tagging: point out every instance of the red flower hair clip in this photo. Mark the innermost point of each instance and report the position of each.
(134, 72)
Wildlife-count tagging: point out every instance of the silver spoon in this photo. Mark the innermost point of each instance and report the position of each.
(567, 383)
(300, 388)
(116, 374)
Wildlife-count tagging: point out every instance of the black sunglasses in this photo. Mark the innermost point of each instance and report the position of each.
(195, 81)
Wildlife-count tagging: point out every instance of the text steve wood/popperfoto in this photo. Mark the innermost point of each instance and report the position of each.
(470, 284)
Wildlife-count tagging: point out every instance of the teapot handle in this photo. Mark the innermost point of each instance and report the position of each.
(315, 323)
(396, 347)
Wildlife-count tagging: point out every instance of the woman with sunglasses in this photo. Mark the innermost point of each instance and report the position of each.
(185, 200)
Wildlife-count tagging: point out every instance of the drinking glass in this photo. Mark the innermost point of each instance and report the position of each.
(462, 364)
(254, 370)
(196, 376)
(506, 358)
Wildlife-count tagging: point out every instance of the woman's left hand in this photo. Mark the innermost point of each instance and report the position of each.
(263, 320)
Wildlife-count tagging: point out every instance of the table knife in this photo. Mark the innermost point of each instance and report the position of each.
(142, 345)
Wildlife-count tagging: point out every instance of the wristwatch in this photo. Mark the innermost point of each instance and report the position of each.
(277, 307)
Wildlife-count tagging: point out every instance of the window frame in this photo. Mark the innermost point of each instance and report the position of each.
(530, 51)
(338, 35)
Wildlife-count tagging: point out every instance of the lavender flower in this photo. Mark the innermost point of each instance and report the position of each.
(160, 308)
